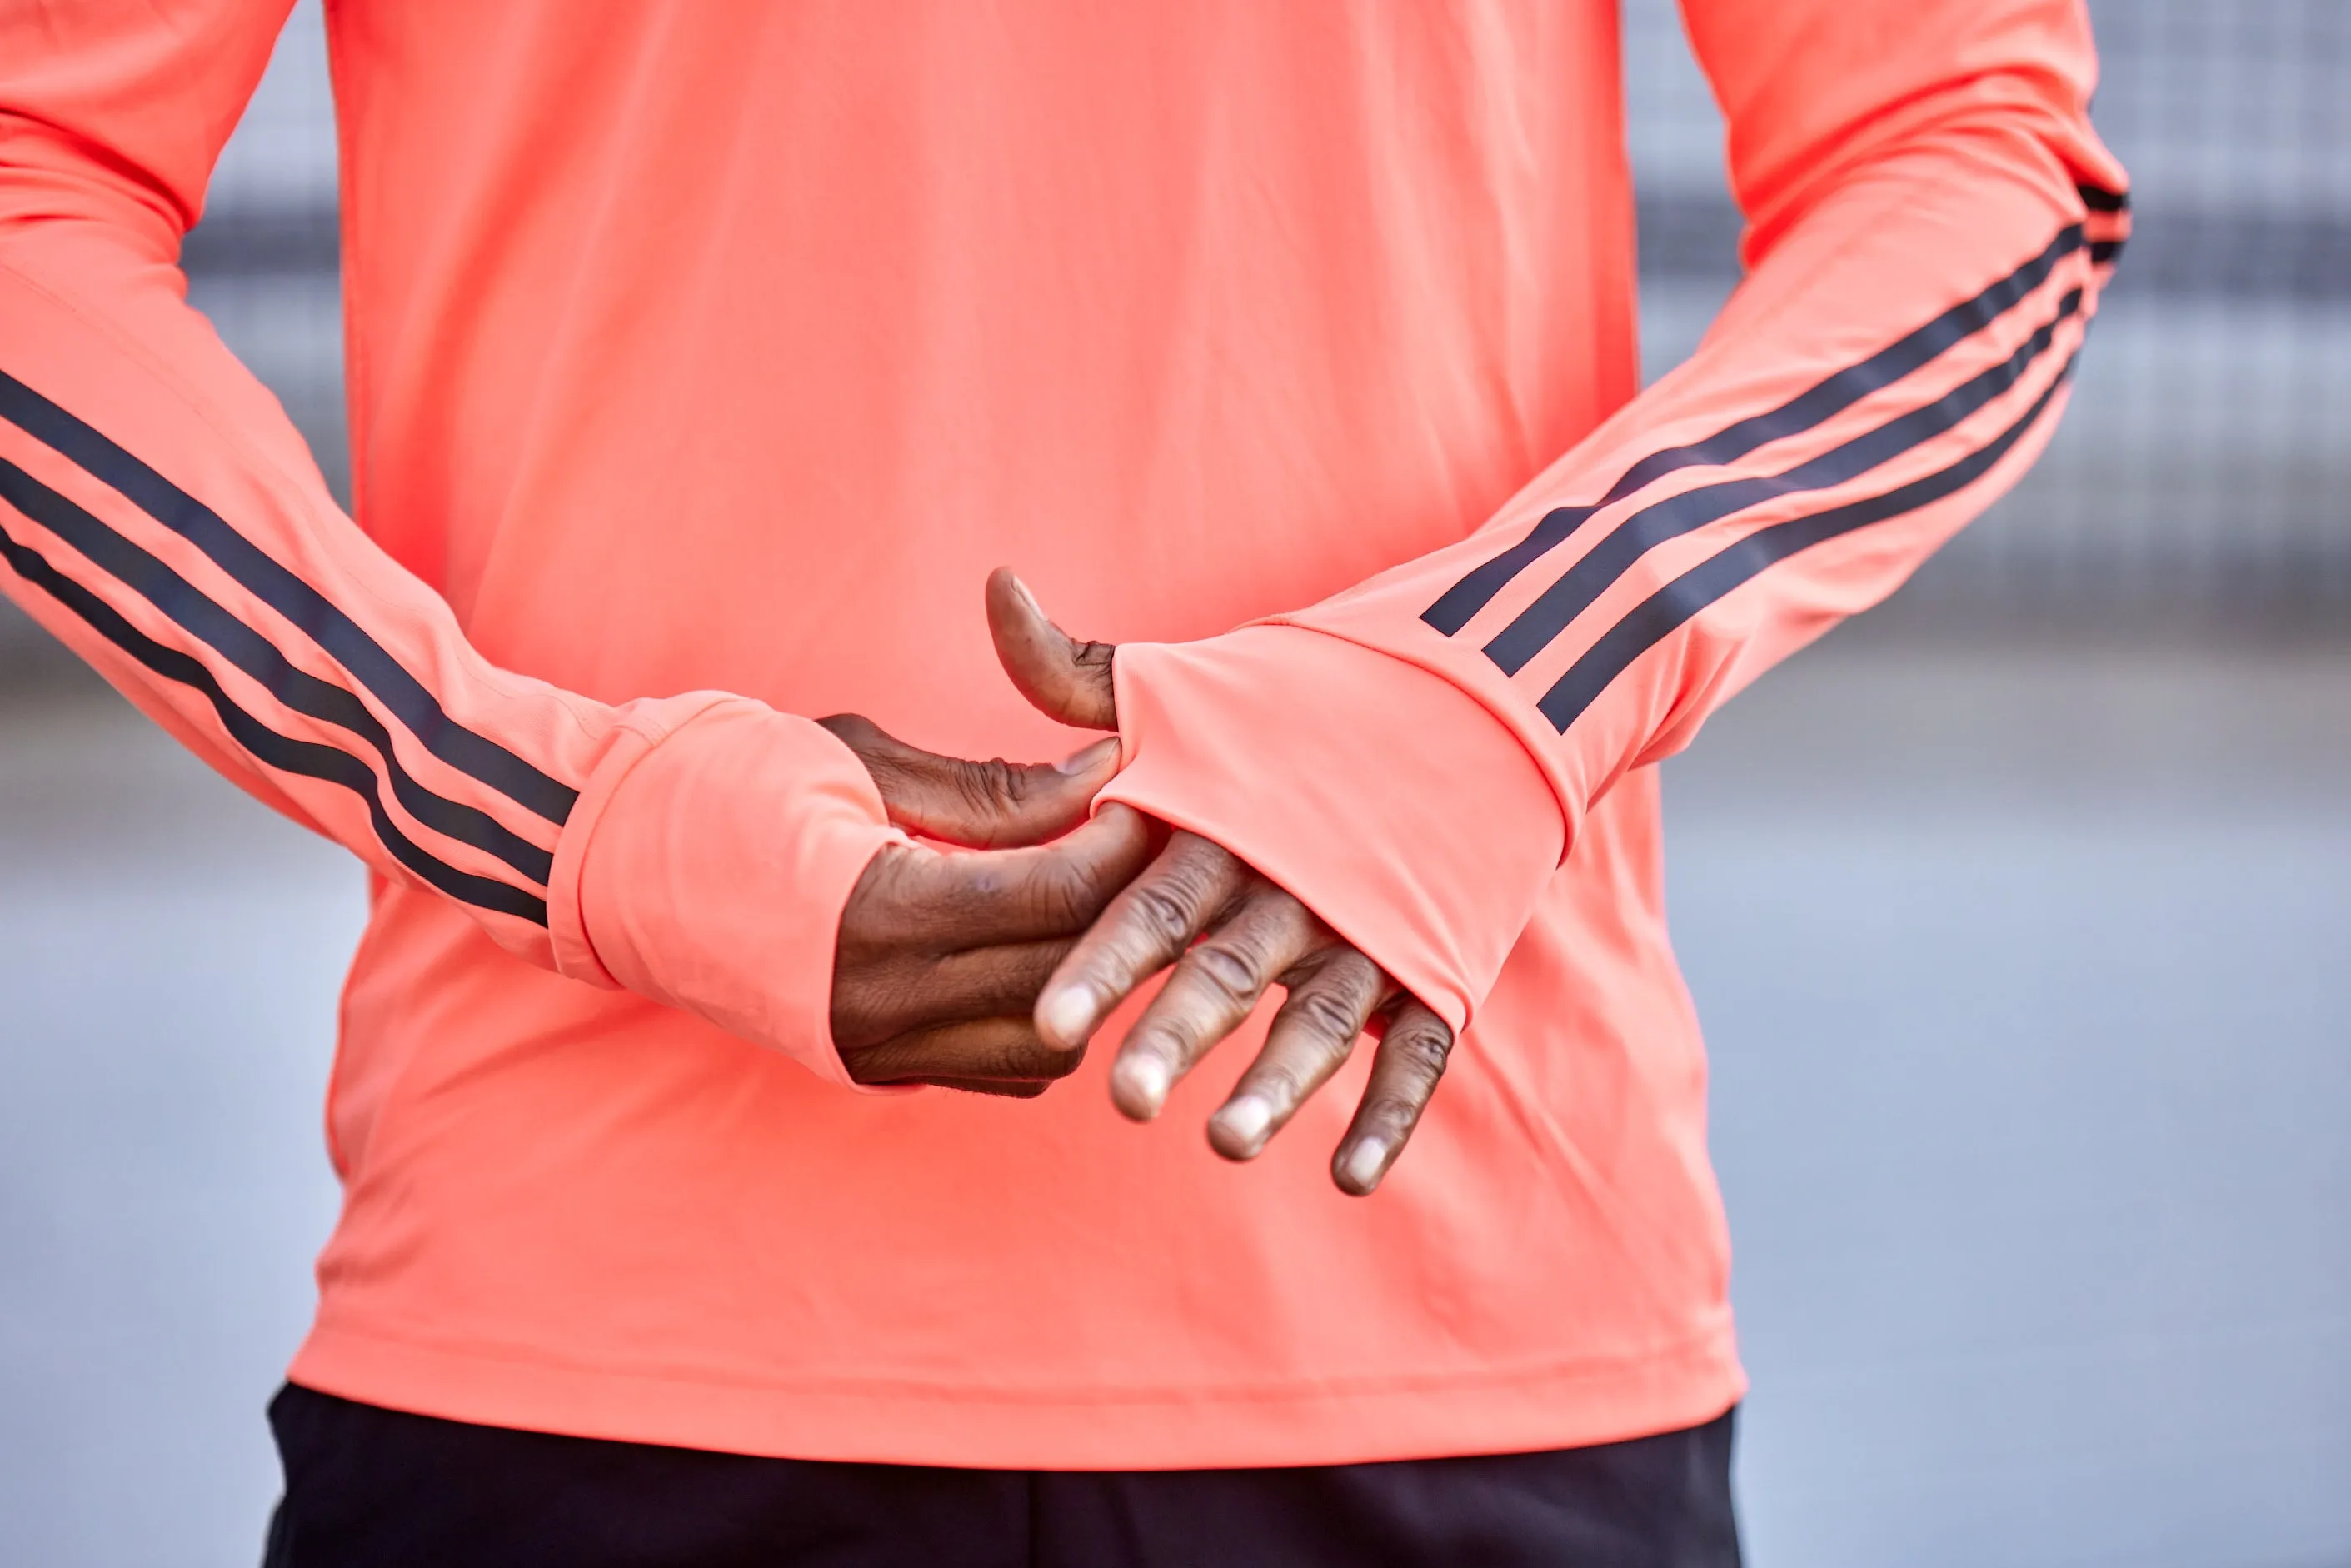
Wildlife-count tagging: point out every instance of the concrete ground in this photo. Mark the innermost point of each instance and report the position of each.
(2027, 980)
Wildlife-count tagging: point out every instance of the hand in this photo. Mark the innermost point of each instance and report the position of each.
(941, 955)
(1250, 935)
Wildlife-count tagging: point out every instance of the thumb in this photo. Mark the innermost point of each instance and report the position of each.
(1066, 679)
(989, 805)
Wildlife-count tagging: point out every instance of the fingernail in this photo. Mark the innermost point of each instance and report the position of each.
(1028, 598)
(1068, 1017)
(1088, 758)
(1146, 1081)
(1245, 1120)
(1363, 1164)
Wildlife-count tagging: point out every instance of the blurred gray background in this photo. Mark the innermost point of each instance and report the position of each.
(2019, 913)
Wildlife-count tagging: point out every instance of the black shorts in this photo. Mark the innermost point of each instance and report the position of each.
(367, 1488)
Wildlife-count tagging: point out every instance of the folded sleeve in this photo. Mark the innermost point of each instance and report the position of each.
(1929, 221)
(160, 515)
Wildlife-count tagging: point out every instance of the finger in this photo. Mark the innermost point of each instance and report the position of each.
(987, 805)
(990, 1051)
(1312, 1034)
(1405, 1071)
(1145, 929)
(920, 900)
(1065, 678)
(1214, 988)
(897, 993)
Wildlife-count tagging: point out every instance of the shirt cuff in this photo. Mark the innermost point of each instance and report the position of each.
(1386, 800)
(707, 866)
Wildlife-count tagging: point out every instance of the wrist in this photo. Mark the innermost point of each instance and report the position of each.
(1410, 818)
(707, 864)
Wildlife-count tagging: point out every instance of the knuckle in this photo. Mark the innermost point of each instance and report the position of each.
(1065, 895)
(1356, 968)
(1326, 1015)
(994, 785)
(1425, 1050)
(1162, 909)
(1231, 971)
(1195, 857)
(858, 1022)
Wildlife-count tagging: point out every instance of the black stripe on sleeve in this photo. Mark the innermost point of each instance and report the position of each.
(209, 622)
(402, 694)
(1663, 612)
(2099, 200)
(1582, 584)
(283, 753)
(1809, 408)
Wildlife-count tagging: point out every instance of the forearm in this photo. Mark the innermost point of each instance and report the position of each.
(1930, 234)
(1894, 361)
(160, 515)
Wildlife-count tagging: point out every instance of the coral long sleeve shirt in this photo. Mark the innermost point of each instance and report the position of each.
(705, 354)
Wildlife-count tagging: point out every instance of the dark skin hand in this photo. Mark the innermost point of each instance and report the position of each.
(1230, 934)
(941, 955)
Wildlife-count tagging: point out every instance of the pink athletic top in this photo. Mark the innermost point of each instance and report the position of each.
(704, 356)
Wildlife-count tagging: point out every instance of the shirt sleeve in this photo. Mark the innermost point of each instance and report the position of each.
(1929, 220)
(160, 515)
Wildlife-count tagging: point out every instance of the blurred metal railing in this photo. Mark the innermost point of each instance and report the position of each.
(2203, 474)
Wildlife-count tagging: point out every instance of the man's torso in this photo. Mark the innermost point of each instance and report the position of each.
(729, 346)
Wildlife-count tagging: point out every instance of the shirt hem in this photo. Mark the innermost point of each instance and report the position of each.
(1488, 1411)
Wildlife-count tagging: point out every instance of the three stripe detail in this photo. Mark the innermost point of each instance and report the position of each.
(213, 625)
(406, 697)
(1667, 610)
(1575, 590)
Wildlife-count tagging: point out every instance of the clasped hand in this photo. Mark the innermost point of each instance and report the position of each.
(990, 971)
